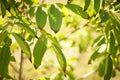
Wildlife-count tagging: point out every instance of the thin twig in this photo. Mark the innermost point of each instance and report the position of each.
(21, 61)
(75, 30)
(21, 66)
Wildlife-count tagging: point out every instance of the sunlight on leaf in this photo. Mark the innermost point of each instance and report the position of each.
(55, 18)
(23, 45)
(26, 27)
(35, 1)
(78, 10)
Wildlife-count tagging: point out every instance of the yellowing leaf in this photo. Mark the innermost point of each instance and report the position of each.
(35, 1)
(65, 11)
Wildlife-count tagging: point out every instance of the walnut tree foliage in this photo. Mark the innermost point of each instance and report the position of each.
(25, 21)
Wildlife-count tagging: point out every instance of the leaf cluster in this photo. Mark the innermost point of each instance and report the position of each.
(25, 20)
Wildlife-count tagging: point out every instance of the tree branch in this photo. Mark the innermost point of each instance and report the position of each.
(76, 29)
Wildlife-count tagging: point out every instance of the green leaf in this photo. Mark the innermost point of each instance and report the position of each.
(113, 73)
(108, 28)
(21, 19)
(25, 20)
(13, 9)
(96, 5)
(60, 5)
(23, 45)
(98, 41)
(8, 41)
(116, 32)
(55, 18)
(115, 19)
(39, 50)
(60, 57)
(5, 3)
(41, 17)
(3, 9)
(115, 61)
(3, 35)
(12, 58)
(4, 60)
(53, 40)
(87, 3)
(29, 38)
(31, 11)
(26, 27)
(78, 10)
(29, 2)
(104, 16)
(108, 74)
(70, 75)
(93, 57)
(57, 48)
(101, 68)
(103, 4)
(111, 45)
